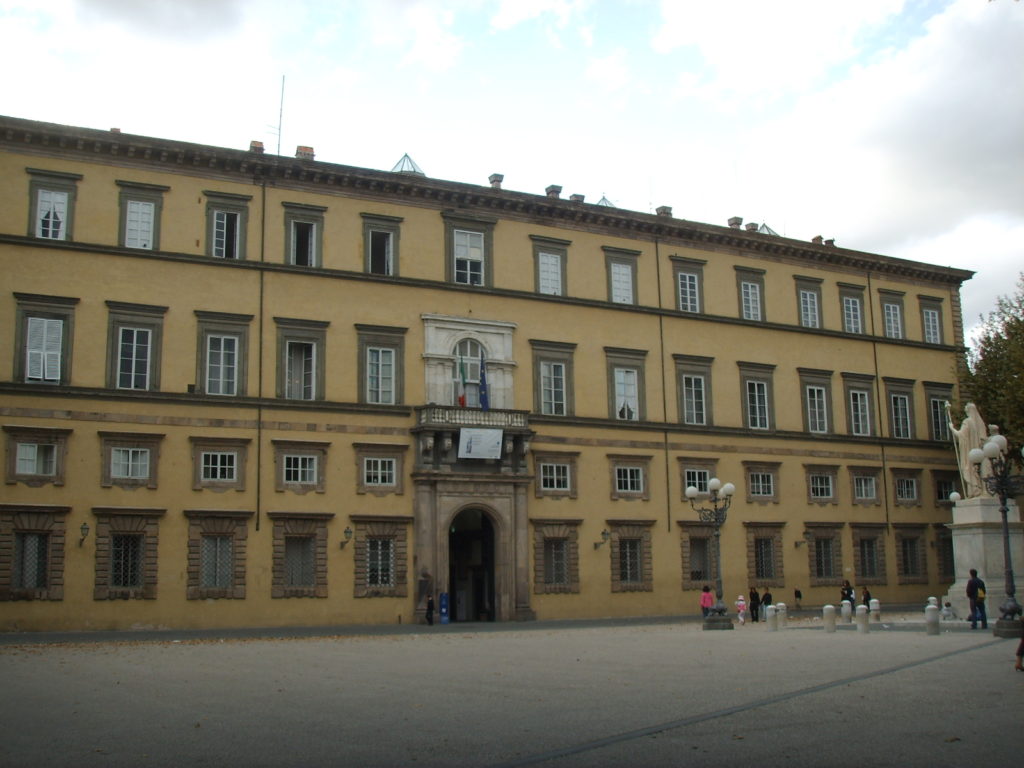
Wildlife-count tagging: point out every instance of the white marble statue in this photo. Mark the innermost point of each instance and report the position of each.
(971, 434)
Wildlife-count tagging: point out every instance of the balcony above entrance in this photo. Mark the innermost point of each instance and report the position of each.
(453, 439)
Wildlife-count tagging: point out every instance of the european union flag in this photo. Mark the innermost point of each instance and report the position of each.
(485, 399)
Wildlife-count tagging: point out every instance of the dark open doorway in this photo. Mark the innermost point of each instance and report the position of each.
(471, 570)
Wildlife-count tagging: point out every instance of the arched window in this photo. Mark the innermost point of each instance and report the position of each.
(466, 373)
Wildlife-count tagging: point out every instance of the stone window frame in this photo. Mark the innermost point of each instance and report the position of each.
(622, 257)
(285, 447)
(698, 463)
(804, 284)
(123, 314)
(877, 532)
(217, 522)
(937, 392)
(815, 532)
(952, 478)
(568, 458)
(545, 529)
(631, 529)
(311, 525)
(41, 180)
(396, 453)
(696, 366)
(380, 337)
(34, 305)
(20, 435)
(822, 379)
(132, 521)
(894, 388)
(554, 247)
(756, 277)
(377, 222)
(47, 519)
(873, 472)
(763, 373)
(765, 530)
(890, 298)
(860, 382)
(688, 531)
(694, 267)
(553, 352)
(626, 359)
(313, 332)
(906, 473)
(304, 213)
(762, 467)
(394, 527)
(618, 461)
(200, 445)
(854, 292)
(133, 440)
(822, 470)
(222, 324)
(933, 304)
(137, 191)
(227, 202)
(484, 225)
(911, 531)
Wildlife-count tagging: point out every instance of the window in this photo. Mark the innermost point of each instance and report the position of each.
(440, 360)
(556, 556)
(381, 364)
(300, 345)
(764, 557)
(32, 552)
(824, 553)
(750, 285)
(808, 298)
(821, 484)
(695, 472)
(126, 553)
(944, 553)
(817, 400)
(931, 319)
(911, 566)
(304, 234)
(549, 259)
(629, 476)
(868, 550)
(764, 554)
(758, 407)
(52, 203)
(555, 473)
(944, 485)
(697, 478)
(860, 404)
(379, 468)
(869, 553)
(892, 314)
(621, 266)
(141, 206)
(219, 538)
(762, 484)
(629, 561)
(218, 463)
(626, 397)
(466, 373)
(299, 554)
(222, 346)
(905, 484)
(381, 544)
(632, 567)
(300, 465)
(35, 455)
(552, 388)
(852, 299)
(134, 346)
(901, 407)
(938, 396)
(626, 394)
(693, 377)
(227, 218)
(130, 459)
(469, 244)
(216, 562)
(824, 560)
(42, 350)
(689, 275)
(865, 485)
(697, 553)
(380, 241)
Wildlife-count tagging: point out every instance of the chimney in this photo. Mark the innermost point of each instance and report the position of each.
(553, 191)
(115, 130)
(751, 226)
(256, 146)
(831, 242)
(735, 222)
(816, 239)
(664, 210)
(496, 179)
(304, 153)
(577, 198)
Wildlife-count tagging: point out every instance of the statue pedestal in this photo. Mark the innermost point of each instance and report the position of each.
(978, 543)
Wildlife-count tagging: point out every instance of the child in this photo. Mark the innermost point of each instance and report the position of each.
(741, 609)
(947, 612)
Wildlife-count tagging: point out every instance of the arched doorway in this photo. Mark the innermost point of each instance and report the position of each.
(471, 566)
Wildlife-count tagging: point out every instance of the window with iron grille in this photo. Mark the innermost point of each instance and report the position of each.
(31, 560)
(217, 564)
(824, 557)
(299, 562)
(868, 549)
(947, 565)
(380, 565)
(910, 549)
(764, 557)
(556, 561)
(700, 558)
(126, 560)
(630, 562)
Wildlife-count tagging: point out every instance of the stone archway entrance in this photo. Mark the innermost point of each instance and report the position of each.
(471, 566)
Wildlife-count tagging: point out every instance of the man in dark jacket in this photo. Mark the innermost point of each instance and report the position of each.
(976, 596)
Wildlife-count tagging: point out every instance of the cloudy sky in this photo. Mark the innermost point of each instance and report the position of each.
(893, 126)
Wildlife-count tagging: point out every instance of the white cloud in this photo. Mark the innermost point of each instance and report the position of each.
(610, 72)
(511, 13)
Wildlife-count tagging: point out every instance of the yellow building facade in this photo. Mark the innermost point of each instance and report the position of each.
(232, 388)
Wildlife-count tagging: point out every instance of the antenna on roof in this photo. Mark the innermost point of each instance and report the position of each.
(280, 116)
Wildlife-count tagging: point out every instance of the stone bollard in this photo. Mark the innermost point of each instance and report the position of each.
(876, 609)
(931, 619)
(847, 611)
(933, 601)
(828, 618)
(780, 612)
(862, 620)
(772, 619)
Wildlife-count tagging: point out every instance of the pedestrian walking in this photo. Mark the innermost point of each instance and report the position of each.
(976, 597)
(754, 604)
(766, 600)
(741, 609)
(706, 601)
(846, 593)
(430, 610)
(865, 596)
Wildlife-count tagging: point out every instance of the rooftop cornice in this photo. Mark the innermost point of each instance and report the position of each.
(92, 145)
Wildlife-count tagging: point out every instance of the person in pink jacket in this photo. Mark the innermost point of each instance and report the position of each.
(707, 600)
(741, 609)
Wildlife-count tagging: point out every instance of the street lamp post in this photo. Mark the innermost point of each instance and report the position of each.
(1001, 484)
(713, 512)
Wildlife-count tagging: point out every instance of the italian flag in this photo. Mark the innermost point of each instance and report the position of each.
(462, 382)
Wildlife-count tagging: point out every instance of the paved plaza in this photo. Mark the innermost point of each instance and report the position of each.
(616, 693)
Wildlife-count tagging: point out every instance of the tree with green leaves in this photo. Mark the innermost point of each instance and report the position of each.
(995, 376)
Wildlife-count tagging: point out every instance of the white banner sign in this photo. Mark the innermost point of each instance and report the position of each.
(479, 443)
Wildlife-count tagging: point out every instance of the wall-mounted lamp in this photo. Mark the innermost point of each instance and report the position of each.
(84, 530)
(605, 535)
(348, 537)
(799, 542)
